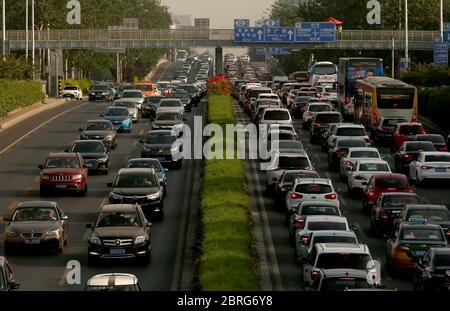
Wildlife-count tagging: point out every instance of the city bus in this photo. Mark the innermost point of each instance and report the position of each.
(323, 72)
(384, 97)
(350, 70)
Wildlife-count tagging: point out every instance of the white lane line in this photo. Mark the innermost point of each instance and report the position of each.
(39, 127)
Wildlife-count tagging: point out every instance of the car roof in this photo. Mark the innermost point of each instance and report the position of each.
(409, 225)
(390, 175)
(434, 153)
(315, 181)
(63, 155)
(37, 204)
(408, 124)
(342, 248)
(118, 207)
(133, 170)
(333, 218)
(374, 161)
(143, 160)
(362, 149)
(417, 142)
(393, 194)
(425, 207)
(352, 273)
(339, 125)
(113, 279)
(98, 121)
(333, 233)
(318, 202)
(161, 131)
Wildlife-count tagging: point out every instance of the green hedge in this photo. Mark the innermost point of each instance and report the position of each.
(85, 84)
(427, 75)
(227, 260)
(18, 94)
(434, 103)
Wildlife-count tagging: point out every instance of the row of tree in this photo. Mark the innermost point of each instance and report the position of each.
(97, 14)
(423, 15)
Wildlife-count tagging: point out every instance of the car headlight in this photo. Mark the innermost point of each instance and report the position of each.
(155, 125)
(109, 137)
(104, 94)
(45, 177)
(95, 240)
(76, 177)
(174, 148)
(54, 233)
(147, 149)
(103, 160)
(139, 239)
(153, 196)
(114, 196)
(10, 233)
(127, 121)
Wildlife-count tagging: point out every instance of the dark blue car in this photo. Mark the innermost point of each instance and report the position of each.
(120, 117)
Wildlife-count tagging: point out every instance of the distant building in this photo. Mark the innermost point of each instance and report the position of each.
(201, 22)
(182, 20)
(291, 2)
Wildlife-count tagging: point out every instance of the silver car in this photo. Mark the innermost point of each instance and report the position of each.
(131, 105)
(134, 95)
(170, 105)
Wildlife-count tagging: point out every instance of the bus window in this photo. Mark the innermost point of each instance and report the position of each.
(395, 99)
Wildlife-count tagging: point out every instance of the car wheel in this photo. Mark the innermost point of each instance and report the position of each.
(60, 248)
(43, 192)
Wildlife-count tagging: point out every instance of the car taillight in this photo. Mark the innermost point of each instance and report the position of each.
(296, 196)
(308, 113)
(414, 118)
(296, 106)
(360, 177)
(407, 156)
(341, 152)
(304, 238)
(426, 168)
(332, 196)
(367, 140)
(448, 234)
(401, 249)
(371, 194)
(382, 130)
(284, 189)
(424, 132)
(442, 148)
(299, 224)
(349, 163)
(316, 125)
(314, 275)
(383, 215)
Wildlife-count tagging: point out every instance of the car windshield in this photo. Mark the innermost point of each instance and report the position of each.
(365, 154)
(411, 130)
(117, 112)
(100, 88)
(146, 164)
(421, 234)
(125, 104)
(281, 136)
(350, 143)
(88, 147)
(319, 108)
(300, 163)
(435, 139)
(189, 88)
(118, 219)
(313, 189)
(391, 182)
(170, 103)
(430, 215)
(281, 115)
(351, 132)
(145, 88)
(71, 88)
(135, 180)
(62, 163)
(399, 200)
(154, 99)
(324, 69)
(115, 288)
(392, 122)
(328, 118)
(437, 158)
(320, 210)
(414, 147)
(441, 260)
(327, 225)
(343, 260)
(131, 95)
(341, 284)
(290, 177)
(98, 126)
(160, 138)
(292, 144)
(168, 117)
(35, 214)
(374, 167)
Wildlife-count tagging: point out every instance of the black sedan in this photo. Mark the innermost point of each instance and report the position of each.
(7, 282)
(120, 231)
(95, 155)
(148, 109)
(432, 272)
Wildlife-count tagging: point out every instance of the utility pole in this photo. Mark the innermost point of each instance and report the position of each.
(406, 34)
(442, 20)
(3, 30)
(33, 43)
(26, 30)
(393, 57)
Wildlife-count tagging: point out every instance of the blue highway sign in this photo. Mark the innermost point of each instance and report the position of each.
(315, 32)
(272, 23)
(273, 51)
(447, 32)
(249, 34)
(440, 53)
(239, 23)
(284, 34)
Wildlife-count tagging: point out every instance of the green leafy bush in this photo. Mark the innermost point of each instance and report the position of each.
(18, 94)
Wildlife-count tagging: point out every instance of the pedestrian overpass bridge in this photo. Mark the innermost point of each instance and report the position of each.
(192, 38)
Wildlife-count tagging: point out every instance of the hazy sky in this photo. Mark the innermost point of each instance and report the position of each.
(220, 12)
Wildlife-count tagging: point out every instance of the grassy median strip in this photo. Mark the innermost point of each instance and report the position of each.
(227, 259)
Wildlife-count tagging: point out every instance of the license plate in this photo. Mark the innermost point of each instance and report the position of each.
(88, 165)
(396, 212)
(440, 170)
(420, 253)
(32, 241)
(117, 251)
(60, 186)
(161, 158)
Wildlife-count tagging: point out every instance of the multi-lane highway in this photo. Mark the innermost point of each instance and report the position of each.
(284, 264)
(26, 145)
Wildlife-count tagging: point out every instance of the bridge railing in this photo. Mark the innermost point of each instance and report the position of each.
(201, 34)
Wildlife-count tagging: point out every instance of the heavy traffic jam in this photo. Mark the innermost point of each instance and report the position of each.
(122, 228)
(365, 127)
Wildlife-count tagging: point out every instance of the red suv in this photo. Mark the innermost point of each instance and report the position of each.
(383, 183)
(63, 172)
(406, 132)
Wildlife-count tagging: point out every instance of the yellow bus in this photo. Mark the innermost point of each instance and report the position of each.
(377, 97)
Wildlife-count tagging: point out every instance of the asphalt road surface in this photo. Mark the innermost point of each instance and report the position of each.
(26, 145)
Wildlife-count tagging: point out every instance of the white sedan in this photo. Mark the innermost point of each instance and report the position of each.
(430, 165)
(354, 155)
(363, 171)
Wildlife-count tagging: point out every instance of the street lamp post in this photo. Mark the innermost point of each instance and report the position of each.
(442, 20)
(3, 30)
(406, 35)
(26, 30)
(33, 43)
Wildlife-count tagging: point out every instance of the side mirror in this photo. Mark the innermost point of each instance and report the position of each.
(65, 217)
(13, 285)
(354, 228)
(41, 166)
(166, 170)
(184, 119)
(108, 150)
(7, 218)
(80, 130)
(180, 134)
(102, 115)
(89, 226)
(66, 150)
(110, 184)
(149, 225)
(291, 212)
(142, 141)
(339, 190)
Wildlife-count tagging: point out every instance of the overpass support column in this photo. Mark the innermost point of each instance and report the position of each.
(219, 60)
